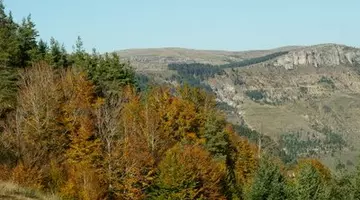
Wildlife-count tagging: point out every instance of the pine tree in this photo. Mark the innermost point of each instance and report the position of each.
(8, 52)
(110, 74)
(217, 140)
(58, 55)
(342, 187)
(64, 61)
(79, 56)
(43, 50)
(268, 183)
(9, 43)
(309, 184)
(27, 42)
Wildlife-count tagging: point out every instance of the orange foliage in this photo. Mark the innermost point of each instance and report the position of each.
(138, 149)
(137, 169)
(191, 173)
(246, 157)
(83, 180)
(151, 127)
(5, 172)
(179, 119)
(30, 177)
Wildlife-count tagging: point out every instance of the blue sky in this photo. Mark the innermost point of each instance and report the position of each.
(111, 25)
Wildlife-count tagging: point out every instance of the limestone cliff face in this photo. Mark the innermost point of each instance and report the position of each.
(305, 73)
(320, 55)
(317, 86)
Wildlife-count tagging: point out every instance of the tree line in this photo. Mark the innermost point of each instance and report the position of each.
(76, 125)
(194, 73)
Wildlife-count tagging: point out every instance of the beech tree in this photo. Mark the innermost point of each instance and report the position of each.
(188, 172)
(84, 148)
(33, 130)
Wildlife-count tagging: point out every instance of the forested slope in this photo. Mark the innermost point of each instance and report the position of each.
(78, 125)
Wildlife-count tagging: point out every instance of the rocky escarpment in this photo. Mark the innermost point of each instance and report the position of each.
(311, 91)
(320, 55)
(305, 73)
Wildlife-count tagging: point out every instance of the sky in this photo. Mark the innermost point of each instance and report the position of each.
(235, 25)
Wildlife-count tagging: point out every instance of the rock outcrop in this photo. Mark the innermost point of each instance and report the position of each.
(320, 55)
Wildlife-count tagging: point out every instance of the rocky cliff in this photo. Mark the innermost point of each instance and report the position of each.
(320, 55)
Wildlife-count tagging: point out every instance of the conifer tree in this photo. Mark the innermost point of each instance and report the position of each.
(309, 184)
(9, 43)
(269, 183)
(42, 51)
(79, 57)
(58, 55)
(27, 42)
(110, 74)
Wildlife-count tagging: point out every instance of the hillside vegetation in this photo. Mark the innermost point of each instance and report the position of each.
(11, 191)
(86, 126)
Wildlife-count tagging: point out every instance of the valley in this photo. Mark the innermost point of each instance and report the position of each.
(312, 92)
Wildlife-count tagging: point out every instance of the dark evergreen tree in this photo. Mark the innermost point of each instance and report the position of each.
(269, 182)
(79, 57)
(110, 74)
(217, 141)
(64, 61)
(43, 50)
(9, 46)
(309, 184)
(55, 52)
(27, 35)
(58, 54)
(8, 51)
(342, 187)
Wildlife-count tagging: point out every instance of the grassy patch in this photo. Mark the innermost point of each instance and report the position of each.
(10, 191)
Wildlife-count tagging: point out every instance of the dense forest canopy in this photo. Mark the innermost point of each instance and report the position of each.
(78, 126)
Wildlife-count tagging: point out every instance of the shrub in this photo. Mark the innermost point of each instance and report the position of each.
(256, 95)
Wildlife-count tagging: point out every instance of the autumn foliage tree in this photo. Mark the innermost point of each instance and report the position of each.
(84, 149)
(188, 172)
(32, 130)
